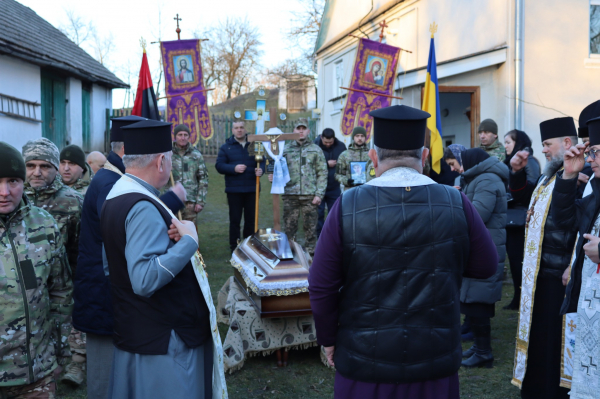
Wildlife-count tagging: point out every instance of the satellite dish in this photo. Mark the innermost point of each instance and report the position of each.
(237, 114)
(282, 117)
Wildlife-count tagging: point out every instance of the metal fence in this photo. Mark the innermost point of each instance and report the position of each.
(222, 129)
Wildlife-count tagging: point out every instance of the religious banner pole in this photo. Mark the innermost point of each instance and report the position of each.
(258, 158)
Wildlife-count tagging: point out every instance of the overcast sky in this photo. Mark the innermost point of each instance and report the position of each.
(128, 20)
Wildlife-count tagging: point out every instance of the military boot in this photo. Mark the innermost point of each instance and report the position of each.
(74, 374)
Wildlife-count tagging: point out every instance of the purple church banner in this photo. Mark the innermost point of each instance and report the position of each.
(373, 74)
(184, 86)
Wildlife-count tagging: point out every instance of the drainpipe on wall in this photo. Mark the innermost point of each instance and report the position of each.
(519, 124)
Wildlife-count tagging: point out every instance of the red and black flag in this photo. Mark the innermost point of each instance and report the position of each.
(145, 99)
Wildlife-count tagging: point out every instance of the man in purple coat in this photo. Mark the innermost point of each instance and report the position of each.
(385, 282)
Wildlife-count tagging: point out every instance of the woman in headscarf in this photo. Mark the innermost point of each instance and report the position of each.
(484, 181)
(515, 141)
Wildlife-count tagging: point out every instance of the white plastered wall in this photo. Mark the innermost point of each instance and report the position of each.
(22, 80)
(74, 109)
(101, 99)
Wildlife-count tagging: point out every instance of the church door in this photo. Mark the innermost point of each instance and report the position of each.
(54, 109)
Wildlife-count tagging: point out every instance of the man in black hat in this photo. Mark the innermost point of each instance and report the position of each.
(548, 249)
(584, 216)
(162, 322)
(385, 281)
(74, 170)
(93, 311)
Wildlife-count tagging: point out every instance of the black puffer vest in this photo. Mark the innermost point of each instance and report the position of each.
(143, 325)
(404, 255)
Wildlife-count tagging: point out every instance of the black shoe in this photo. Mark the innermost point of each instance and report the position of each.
(469, 352)
(479, 359)
(513, 305)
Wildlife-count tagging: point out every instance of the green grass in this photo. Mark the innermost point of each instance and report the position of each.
(306, 377)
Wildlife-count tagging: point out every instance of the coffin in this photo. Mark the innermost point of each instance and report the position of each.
(273, 272)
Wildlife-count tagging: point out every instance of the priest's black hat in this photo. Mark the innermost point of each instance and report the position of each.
(116, 134)
(590, 112)
(399, 127)
(593, 126)
(148, 137)
(557, 127)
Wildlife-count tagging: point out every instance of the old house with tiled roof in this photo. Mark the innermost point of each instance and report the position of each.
(49, 86)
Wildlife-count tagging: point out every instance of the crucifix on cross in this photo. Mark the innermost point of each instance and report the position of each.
(273, 139)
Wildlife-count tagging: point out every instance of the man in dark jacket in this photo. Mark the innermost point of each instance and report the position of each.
(240, 173)
(385, 282)
(332, 148)
(548, 249)
(93, 309)
(582, 215)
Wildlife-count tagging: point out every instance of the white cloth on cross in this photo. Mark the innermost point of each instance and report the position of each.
(281, 174)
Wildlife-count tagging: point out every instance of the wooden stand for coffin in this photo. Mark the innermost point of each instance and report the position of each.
(292, 266)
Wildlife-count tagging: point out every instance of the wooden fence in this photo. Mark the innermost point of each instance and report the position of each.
(222, 129)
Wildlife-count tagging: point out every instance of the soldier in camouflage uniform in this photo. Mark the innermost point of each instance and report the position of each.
(45, 189)
(356, 152)
(306, 188)
(74, 170)
(488, 135)
(37, 289)
(189, 169)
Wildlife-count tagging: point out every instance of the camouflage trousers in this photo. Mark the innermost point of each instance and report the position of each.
(187, 213)
(41, 389)
(292, 206)
(77, 346)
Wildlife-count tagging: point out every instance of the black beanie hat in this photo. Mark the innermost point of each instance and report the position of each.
(11, 162)
(488, 125)
(74, 154)
(180, 128)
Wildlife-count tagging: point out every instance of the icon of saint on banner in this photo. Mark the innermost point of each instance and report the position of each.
(375, 70)
(184, 71)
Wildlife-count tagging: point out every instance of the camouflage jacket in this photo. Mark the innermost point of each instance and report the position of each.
(496, 149)
(189, 169)
(352, 154)
(36, 296)
(82, 184)
(308, 169)
(64, 204)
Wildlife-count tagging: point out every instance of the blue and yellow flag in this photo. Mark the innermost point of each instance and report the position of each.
(431, 104)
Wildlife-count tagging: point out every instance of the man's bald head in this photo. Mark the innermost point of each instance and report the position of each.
(96, 160)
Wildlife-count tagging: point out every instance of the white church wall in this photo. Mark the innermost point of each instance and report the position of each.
(21, 80)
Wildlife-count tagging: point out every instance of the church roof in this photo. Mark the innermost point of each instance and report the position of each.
(341, 17)
(26, 35)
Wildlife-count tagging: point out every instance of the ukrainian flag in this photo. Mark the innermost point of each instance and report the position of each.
(431, 104)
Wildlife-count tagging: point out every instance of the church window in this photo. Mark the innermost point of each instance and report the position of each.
(595, 26)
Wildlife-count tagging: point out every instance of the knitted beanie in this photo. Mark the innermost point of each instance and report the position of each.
(488, 125)
(41, 149)
(180, 128)
(11, 162)
(359, 130)
(74, 154)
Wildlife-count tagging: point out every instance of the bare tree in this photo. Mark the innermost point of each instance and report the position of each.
(102, 46)
(231, 56)
(76, 28)
(304, 30)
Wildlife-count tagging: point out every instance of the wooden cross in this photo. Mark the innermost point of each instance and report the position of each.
(178, 30)
(275, 150)
(383, 25)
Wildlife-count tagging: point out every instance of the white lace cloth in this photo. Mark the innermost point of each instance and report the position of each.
(401, 177)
